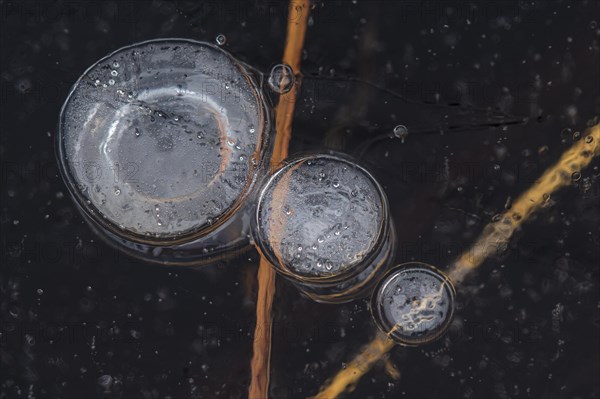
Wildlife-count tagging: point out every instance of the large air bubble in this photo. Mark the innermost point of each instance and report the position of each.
(323, 221)
(157, 139)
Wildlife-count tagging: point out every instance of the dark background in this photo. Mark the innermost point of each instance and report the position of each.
(79, 320)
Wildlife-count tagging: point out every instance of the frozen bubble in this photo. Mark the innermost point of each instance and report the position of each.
(336, 225)
(401, 132)
(221, 39)
(281, 79)
(413, 304)
(165, 143)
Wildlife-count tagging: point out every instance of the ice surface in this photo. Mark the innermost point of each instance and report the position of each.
(159, 137)
(321, 216)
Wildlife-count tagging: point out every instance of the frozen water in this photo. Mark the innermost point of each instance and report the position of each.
(415, 304)
(158, 137)
(281, 78)
(320, 215)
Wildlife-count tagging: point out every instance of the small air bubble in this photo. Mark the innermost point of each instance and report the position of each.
(281, 78)
(221, 39)
(401, 132)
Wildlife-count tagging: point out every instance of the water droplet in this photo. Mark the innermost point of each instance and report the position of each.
(281, 79)
(221, 39)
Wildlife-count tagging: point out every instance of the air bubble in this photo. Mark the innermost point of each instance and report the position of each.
(146, 138)
(320, 212)
(401, 132)
(221, 39)
(281, 79)
(413, 304)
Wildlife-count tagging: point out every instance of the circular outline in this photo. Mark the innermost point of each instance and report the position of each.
(376, 311)
(347, 273)
(165, 240)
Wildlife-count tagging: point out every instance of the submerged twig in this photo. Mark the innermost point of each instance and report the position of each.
(494, 236)
(296, 31)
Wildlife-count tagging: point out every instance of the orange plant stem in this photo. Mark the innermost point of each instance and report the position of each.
(260, 374)
(495, 235)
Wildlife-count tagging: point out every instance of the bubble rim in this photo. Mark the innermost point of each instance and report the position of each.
(359, 266)
(384, 325)
(254, 79)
